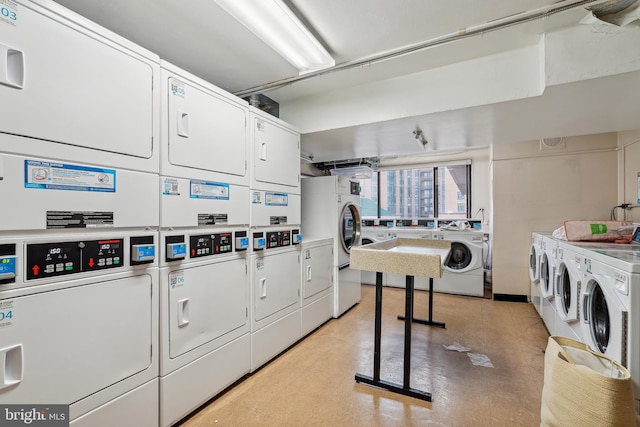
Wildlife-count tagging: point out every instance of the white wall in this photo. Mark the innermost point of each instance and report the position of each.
(538, 189)
(628, 169)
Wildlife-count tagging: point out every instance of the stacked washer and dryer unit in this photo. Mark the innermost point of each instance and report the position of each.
(331, 209)
(275, 217)
(204, 220)
(79, 221)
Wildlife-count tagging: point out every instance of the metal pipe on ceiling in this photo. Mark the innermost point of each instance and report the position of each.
(498, 24)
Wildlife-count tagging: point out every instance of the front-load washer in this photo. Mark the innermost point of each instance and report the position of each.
(463, 270)
(331, 208)
(317, 283)
(535, 252)
(548, 267)
(274, 268)
(204, 300)
(413, 229)
(610, 298)
(568, 282)
(79, 325)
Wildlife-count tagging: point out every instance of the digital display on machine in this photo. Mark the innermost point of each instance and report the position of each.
(277, 239)
(7, 268)
(59, 258)
(210, 244)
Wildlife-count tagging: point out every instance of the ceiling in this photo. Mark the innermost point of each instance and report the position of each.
(203, 39)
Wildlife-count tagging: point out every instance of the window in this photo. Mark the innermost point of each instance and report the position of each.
(428, 192)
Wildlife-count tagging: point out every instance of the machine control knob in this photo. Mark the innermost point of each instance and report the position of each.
(259, 243)
(176, 251)
(242, 243)
(141, 253)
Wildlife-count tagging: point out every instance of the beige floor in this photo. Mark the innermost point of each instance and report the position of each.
(312, 384)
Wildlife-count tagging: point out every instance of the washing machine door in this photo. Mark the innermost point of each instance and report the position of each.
(460, 257)
(350, 226)
(604, 320)
(546, 277)
(567, 293)
(534, 273)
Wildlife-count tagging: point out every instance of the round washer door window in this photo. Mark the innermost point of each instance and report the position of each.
(544, 274)
(459, 256)
(564, 288)
(349, 226)
(599, 320)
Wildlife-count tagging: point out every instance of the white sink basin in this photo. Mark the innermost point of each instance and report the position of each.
(410, 257)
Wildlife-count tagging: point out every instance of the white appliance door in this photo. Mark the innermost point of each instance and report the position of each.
(276, 283)
(463, 257)
(276, 153)
(604, 320)
(206, 302)
(316, 270)
(74, 88)
(206, 131)
(64, 345)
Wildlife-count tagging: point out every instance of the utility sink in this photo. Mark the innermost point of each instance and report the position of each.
(410, 257)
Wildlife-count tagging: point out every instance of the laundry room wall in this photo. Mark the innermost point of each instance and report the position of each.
(628, 170)
(537, 188)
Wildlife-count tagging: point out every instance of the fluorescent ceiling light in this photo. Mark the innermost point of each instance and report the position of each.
(274, 23)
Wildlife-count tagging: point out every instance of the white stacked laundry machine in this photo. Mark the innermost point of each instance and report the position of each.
(79, 224)
(204, 220)
(331, 209)
(274, 262)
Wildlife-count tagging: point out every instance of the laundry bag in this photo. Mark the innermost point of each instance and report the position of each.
(583, 388)
(598, 231)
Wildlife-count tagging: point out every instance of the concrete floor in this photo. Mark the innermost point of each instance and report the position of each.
(312, 384)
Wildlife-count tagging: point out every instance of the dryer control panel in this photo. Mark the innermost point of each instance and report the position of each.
(210, 244)
(278, 239)
(59, 258)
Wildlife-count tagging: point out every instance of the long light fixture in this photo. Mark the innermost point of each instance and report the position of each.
(274, 23)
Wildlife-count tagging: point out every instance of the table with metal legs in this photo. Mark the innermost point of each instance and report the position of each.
(405, 388)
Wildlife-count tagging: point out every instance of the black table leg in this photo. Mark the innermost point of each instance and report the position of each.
(375, 380)
(430, 320)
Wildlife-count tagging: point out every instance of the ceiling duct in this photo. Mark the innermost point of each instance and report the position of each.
(362, 168)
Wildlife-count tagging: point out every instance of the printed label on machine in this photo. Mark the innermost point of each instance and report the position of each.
(60, 176)
(9, 12)
(170, 187)
(7, 314)
(209, 190)
(72, 219)
(212, 219)
(176, 279)
(276, 199)
(256, 198)
(177, 88)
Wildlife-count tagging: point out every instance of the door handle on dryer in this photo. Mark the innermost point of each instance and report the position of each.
(183, 124)
(308, 273)
(183, 312)
(11, 359)
(263, 151)
(11, 67)
(263, 287)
